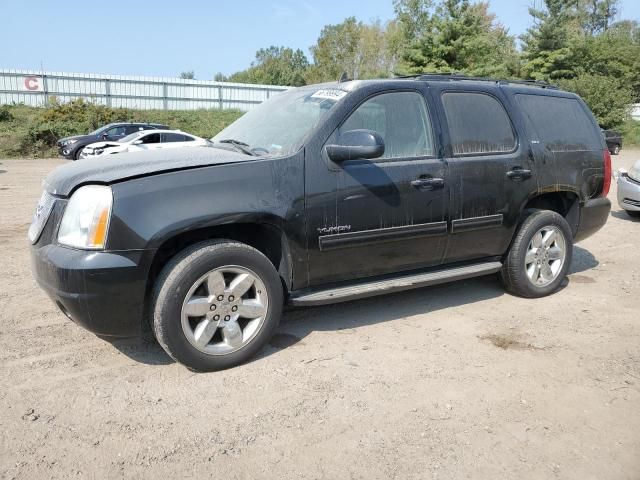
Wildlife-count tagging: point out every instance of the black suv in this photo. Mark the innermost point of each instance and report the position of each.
(614, 141)
(323, 194)
(70, 147)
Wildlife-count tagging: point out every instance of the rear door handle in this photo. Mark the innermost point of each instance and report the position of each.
(518, 173)
(428, 183)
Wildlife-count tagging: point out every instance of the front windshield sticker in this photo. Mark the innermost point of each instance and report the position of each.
(329, 93)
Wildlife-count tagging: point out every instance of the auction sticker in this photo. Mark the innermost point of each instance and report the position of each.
(329, 93)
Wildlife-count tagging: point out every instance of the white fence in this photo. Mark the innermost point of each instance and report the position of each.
(34, 88)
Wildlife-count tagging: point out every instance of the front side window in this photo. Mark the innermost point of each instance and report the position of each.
(116, 132)
(153, 138)
(401, 118)
(478, 124)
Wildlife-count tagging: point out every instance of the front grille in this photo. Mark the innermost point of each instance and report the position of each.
(43, 210)
(634, 203)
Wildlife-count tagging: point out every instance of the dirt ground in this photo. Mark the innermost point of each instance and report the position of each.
(457, 381)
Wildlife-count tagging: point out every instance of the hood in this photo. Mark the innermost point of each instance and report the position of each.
(79, 138)
(105, 145)
(114, 168)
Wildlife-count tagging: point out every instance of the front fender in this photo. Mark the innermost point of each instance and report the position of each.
(147, 211)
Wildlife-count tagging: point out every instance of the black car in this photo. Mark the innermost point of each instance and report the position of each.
(70, 147)
(614, 141)
(323, 194)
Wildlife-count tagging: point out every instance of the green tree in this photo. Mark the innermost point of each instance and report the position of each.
(608, 97)
(190, 75)
(598, 14)
(454, 36)
(275, 66)
(361, 50)
(546, 44)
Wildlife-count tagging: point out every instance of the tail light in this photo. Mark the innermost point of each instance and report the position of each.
(606, 185)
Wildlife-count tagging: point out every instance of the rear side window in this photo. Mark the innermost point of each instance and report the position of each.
(478, 124)
(173, 137)
(561, 124)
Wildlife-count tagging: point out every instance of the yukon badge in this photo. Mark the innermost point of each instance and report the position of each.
(336, 229)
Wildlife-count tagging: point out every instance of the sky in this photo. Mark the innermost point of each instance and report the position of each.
(164, 38)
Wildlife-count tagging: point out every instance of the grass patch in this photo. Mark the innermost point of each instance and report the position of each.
(33, 131)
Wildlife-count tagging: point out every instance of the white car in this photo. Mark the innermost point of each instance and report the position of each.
(629, 190)
(144, 140)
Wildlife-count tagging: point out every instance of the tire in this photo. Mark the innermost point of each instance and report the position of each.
(615, 150)
(516, 269)
(633, 213)
(76, 155)
(193, 275)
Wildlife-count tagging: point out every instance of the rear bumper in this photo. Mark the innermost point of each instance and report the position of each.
(103, 292)
(593, 215)
(628, 193)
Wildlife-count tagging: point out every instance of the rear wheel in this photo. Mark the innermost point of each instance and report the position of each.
(216, 305)
(539, 256)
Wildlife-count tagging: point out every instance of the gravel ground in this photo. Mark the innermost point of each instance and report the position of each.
(457, 381)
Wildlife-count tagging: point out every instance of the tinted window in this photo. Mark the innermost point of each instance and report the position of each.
(560, 123)
(478, 124)
(173, 137)
(400, 118)
(153, 138)
(116, 132)
(132, 129)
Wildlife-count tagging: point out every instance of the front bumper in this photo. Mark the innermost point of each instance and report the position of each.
(593, 215)
(628, 193)
(103, 292)
(67, 151)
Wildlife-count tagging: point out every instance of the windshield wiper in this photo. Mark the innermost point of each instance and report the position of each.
(241, 146)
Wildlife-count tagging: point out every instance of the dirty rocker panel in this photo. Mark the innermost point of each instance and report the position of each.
(348, 291)
(476, 223)
(365, 237)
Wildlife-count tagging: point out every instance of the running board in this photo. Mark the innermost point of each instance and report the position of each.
(400, 282)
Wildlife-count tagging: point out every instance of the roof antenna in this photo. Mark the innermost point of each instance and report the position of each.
(343, 78)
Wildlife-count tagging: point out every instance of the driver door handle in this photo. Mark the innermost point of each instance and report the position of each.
(518, 173)
(428, 183)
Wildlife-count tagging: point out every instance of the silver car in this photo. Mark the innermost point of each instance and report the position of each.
(629, 189)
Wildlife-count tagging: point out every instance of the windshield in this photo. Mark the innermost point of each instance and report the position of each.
(100, 130)
(279, 125)
(131, 137)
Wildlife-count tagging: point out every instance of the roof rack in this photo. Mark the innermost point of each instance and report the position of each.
(456, 76)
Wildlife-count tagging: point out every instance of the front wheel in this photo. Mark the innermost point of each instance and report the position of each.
(539, 256)
(216, 304)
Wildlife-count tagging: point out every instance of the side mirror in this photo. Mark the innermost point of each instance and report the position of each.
(104, 136)
(137, 142)
(356, 144)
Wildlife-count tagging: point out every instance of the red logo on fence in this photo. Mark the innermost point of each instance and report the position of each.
(32, 83)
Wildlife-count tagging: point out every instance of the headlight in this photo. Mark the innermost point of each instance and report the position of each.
(70, 142)
(85, 222)
(634, 173)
